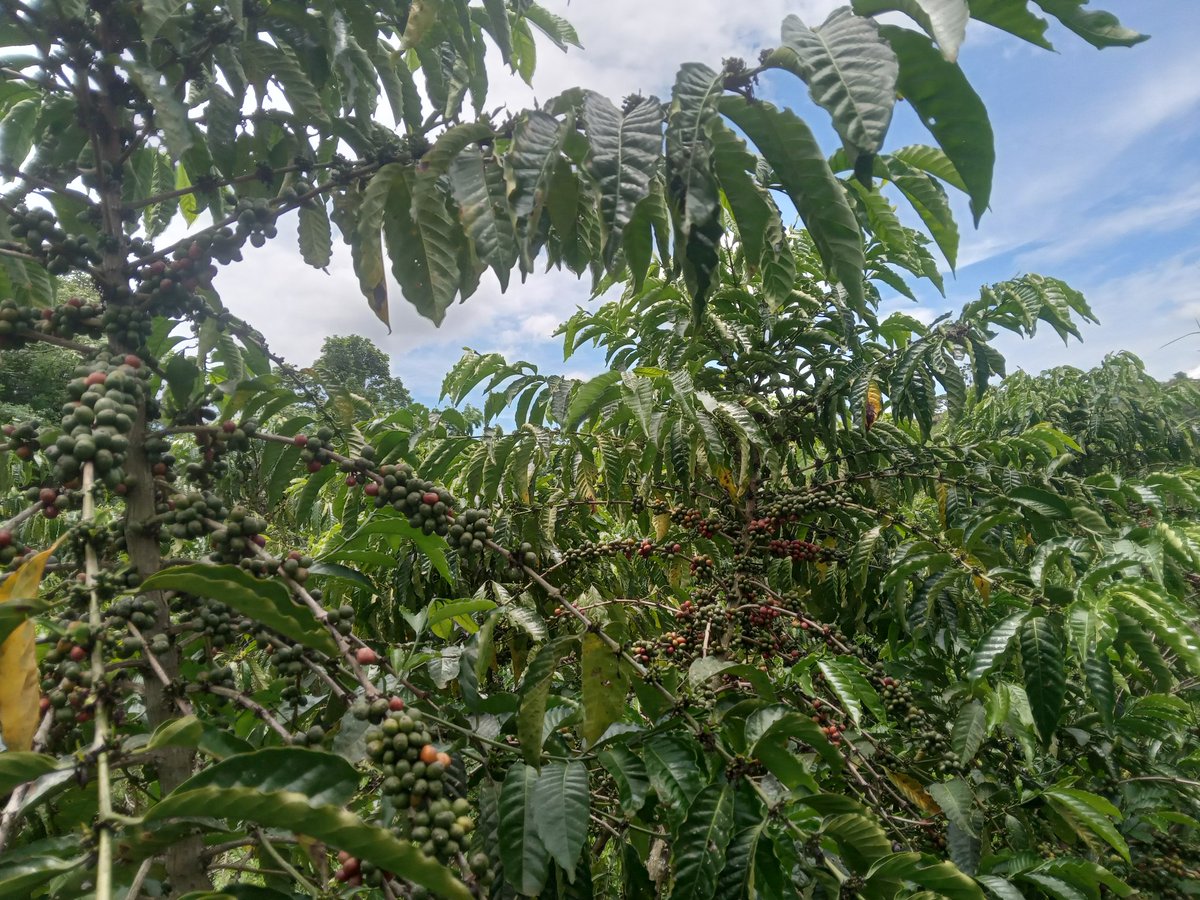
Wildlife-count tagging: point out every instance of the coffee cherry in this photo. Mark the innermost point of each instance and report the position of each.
(366, 656)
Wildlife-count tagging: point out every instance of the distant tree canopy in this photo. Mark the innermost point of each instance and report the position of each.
(356, 364)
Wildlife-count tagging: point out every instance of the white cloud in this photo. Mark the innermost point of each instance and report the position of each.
(1075, 149)
(1144, 215)
(637, 45)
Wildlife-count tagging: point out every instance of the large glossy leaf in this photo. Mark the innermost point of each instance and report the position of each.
(691, 187)
(315, 236)
(169, 112)
(942, 877)
(949, 107)
(424, 243)
(367, 247)
(756, 217)
(561, 802)
(1097, 27)
(1043, 659)
(994, 644)
(533, 693)
(526, 860)
(970, 728)
(851, 72)
(19, 877)
(944, 20)
(698, 848)
(789, 147)
(1015, 18)
(18, 767)
(264, 600)
(536, 149)
(626, 150)
(605, 684)
(477, 182)
(629, 772)
(333, 825)
(324, 778)
(674, 770)
(1088, 812)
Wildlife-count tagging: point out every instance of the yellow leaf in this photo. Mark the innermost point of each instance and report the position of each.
(873, 405)
(915, 792)
(19, 693)
(725, 477)
(662, 524)
(941, 496)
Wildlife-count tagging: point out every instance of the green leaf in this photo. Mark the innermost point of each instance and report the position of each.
(698, 847)
(1099, 28)
(589, 399)
(1043, 659)
(18, 130)
(851, 73)
(970, 728)
(754, 214)
(851, 687)
(533, 693)
(1098, 673)
(169, 113)
(282, 64)
(956, 801)
(943, 20)
(154, 15)
(1001, 887)
(706, 667)
(993, 645)
(1015, 18)
(605, 684)
(625, 152)
(929, 201)
(942, 877)
(558, 29)
(862, 555)
(793, 153)
(1090, 812)
(19, 877)
(691, 187)
(526, 860)
(536, 150)
(561, 803)
(770, 728)
(324, 778)
(423, 242)
(315, 235)
(266, 601)
(333, 825)
(477, 182)
(367, 246)
(675, 771)
(629, 772)
(860, 839)
(188, 731)
(17, 767)
(949, 107)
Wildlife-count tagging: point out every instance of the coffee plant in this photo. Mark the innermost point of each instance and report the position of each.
(792, 601)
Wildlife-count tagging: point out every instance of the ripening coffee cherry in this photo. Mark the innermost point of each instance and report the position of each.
(366, 656)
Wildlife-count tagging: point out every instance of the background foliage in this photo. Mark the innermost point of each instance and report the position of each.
(791, 601)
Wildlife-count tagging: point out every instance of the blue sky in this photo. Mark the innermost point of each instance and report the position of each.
(1096, 183)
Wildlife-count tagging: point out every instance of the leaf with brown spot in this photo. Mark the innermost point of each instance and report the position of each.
(915, 793)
